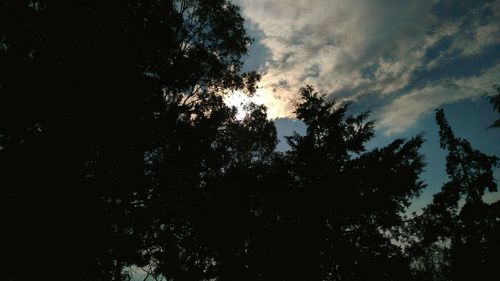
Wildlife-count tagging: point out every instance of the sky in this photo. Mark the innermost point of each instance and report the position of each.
(399, 59)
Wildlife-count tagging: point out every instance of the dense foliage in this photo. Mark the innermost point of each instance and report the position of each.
(495, 101)
(458, 231)
(119, 160)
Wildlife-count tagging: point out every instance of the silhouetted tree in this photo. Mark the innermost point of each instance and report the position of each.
(91, 93)
(461, 228)
(118, 154)
(495, 100)
(335, 206)
(200, 208)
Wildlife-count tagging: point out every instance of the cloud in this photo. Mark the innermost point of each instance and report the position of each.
(354, 48)
(470, 34)
(406, 110)
(326, 43)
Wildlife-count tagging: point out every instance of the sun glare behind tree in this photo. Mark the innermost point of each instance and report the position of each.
(239, 100)
(137, 142)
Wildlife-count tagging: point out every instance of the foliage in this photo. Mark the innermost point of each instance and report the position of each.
(458, 223)
(96, 96)
(495, 100)
(345, 201)
(118, 154)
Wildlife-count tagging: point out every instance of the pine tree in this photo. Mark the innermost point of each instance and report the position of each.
(339, 207)
(458, 224)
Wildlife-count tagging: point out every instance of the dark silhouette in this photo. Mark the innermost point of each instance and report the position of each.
(93, 95)
(340, 205)
(495, 100)
(458, 232)
(119, 160)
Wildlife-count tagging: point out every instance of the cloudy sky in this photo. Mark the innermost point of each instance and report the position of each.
(399, 59)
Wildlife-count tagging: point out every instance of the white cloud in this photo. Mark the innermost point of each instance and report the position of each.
(482, 37)
(358, 47)
(406, 110)
(338, 38)
(470, 35)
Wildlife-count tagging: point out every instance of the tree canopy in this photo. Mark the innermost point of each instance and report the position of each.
(458, 226)
(495, 101)
(96, 98)
(120, 160)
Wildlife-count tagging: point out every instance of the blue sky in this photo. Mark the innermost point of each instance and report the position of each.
(399, 59)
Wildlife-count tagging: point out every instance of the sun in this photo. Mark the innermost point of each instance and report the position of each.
(276, 106)
(238, 99)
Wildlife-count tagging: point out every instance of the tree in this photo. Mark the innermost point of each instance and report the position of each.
(201, 207)
(334, 210)
(117, 154)
(495, 100)
(458, 222)
(90, 93)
